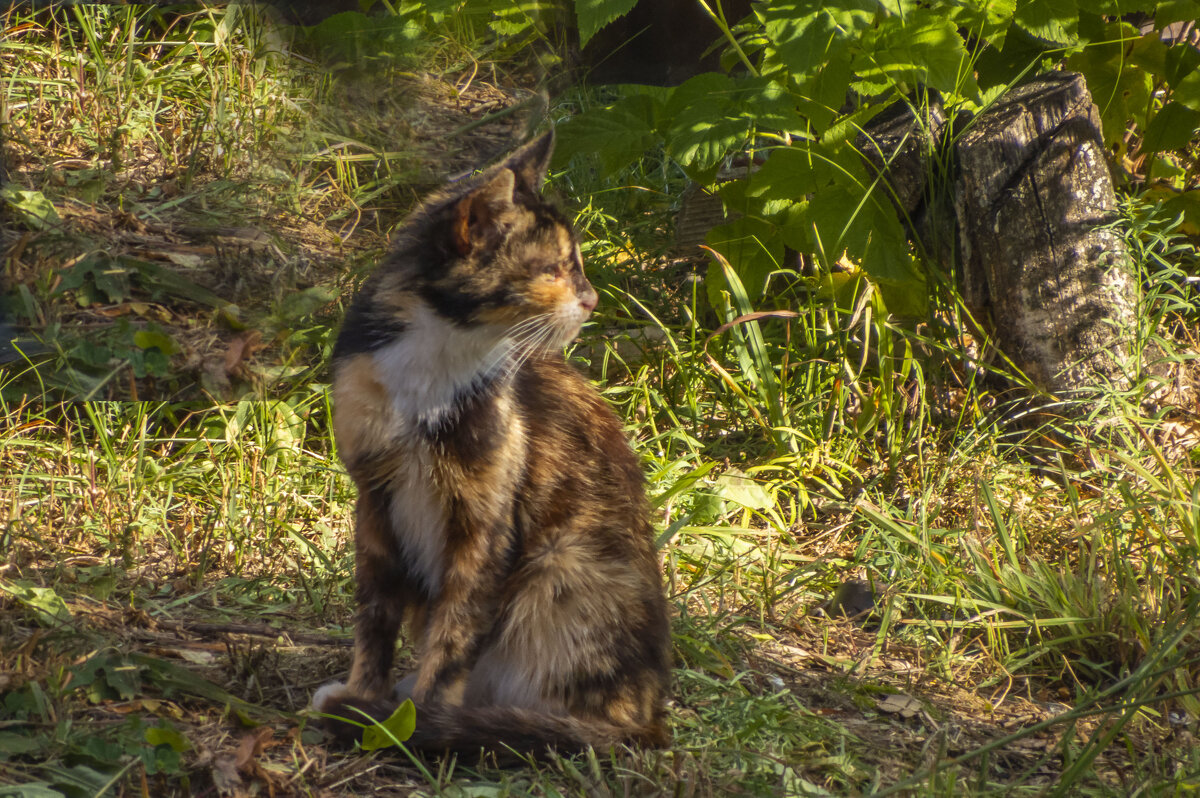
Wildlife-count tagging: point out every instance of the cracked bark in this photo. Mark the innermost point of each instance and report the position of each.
(1030, 212)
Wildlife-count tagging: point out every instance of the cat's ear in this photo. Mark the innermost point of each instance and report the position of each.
(479, 216)
(531, 162)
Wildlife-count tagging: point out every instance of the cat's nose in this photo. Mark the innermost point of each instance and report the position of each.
(588, 299)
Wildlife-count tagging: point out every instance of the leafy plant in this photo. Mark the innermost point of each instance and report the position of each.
(398, 727)
(804, 79)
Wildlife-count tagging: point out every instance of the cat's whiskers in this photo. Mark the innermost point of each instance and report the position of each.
(500, 356)
(533, 327)
(516, 340)
(534, 345)
(532, 340)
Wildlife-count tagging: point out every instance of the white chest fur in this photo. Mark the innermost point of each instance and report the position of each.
(434, 360)
(424, 371)
(419, 519)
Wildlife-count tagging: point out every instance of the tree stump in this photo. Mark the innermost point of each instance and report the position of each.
(1033, 202)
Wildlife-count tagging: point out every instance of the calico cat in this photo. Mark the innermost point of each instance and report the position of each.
(501, 512)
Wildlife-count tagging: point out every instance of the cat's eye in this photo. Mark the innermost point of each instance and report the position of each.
(548, 270)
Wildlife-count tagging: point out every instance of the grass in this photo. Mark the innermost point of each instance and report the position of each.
(194, 197)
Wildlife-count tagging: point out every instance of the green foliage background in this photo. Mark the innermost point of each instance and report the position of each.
(804, 77)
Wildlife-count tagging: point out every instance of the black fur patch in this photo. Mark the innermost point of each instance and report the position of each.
(468, 430)
(365, 329)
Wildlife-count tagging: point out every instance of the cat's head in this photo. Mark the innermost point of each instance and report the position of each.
(507, 257)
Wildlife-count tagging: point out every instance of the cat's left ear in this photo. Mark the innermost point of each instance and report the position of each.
(479, 217)
(531, 163)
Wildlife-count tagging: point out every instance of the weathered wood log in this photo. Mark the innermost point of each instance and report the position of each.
(1035, 206)
(1033, 201)
(905, 148)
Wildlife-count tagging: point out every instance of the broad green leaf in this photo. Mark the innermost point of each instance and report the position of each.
(355, 37)
(1120, 90)
(619, 135)
(1186, 206)
(1150, 53)
(1167, 171)
(1187, 91)
(166, 735)
(397, 728)
(1051, 21)
(900, 8)
(27, 702)
(79, 779)
(157, 278)
(792, 220)
(15, 743)
(802, 34)
(32, 208)
(711, 90)
(987, 20)
(793, 172)
(842, 220)
(1181, 61)
(753, 247)
(101, 749)
(786, 21)
(513, 19)
(710, 115)
(1010, 62)
(737, 487)
(822, 93)
(155, 339)
(124, 677)
(304, 303)
(33, 789)
(1172, 128)
(48, 607)
(592, 15)
(839, 138)
(95, 279)
(1118, 7)
(699, 140)
(738, 202)
(768, 103)
(908, 298)
(1175, 11)
(923, 48)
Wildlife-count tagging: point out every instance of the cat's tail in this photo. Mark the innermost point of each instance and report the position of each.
(501, 730)
(514, 730)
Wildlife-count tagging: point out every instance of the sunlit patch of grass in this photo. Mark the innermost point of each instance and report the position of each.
(239, 490)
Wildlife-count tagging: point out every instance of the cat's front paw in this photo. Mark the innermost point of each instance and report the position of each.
(329, 696)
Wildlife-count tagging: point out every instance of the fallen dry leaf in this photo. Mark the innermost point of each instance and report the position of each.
(252, 744)
(899, 704)
(239, 349)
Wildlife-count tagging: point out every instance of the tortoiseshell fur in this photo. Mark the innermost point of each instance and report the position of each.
(501, 511)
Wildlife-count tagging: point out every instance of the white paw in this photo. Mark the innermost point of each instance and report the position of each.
(328, 694)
